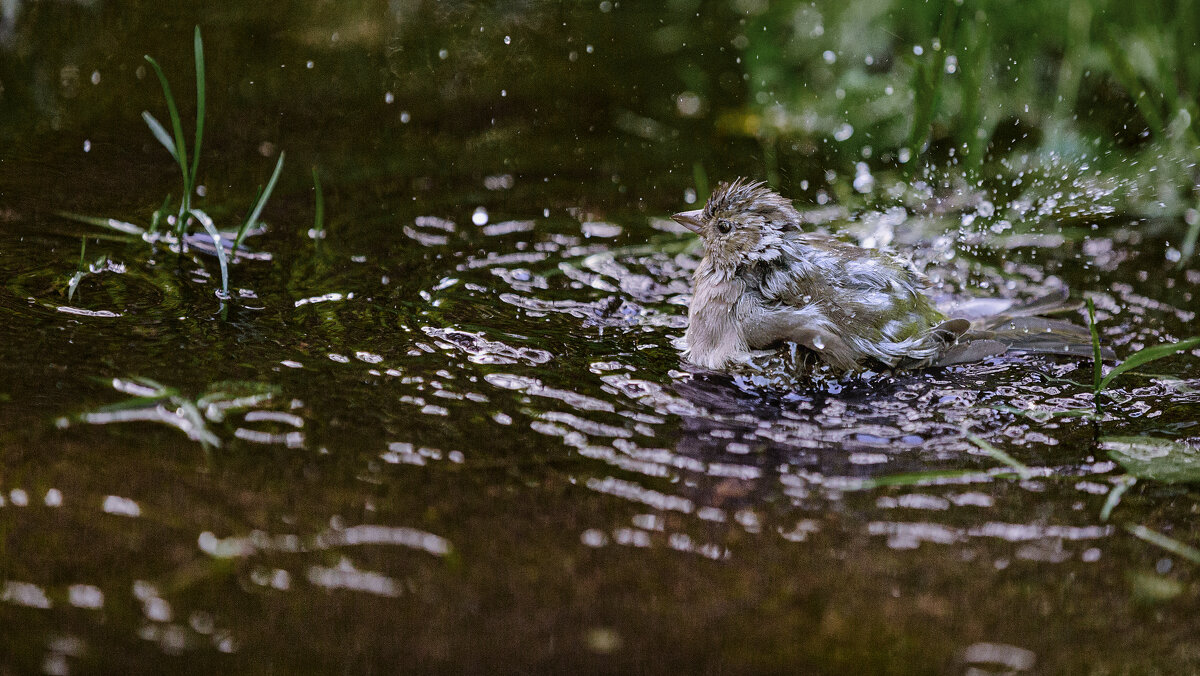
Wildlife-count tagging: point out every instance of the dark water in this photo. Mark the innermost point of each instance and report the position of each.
(456, 434)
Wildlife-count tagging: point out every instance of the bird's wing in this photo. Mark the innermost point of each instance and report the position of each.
(970, 351)
(806, 326)
(846, 304)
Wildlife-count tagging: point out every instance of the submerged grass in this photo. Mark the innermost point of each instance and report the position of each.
(152, 401)
(1120, 485)
(1022, 469)
(1170, 544)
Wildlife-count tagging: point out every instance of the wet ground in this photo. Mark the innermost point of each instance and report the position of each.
(455, 433)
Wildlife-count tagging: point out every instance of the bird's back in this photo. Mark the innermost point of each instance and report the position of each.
(869, 300)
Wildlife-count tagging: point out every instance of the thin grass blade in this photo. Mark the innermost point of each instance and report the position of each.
(180, 153)
(140, 386)
(199, 51)
(252, 219)
(1188, 248)
(73, 283)
(161, 134)
(1146, 356)
(80, 271)
(244, 228)
(1039, 415)
(215, 234)
(158, 215)
(110, 223)
(1120, 485)
(925, 478)
(177, 124)
(1170, 544)
(319, 218)
(1022, 469)
(131, 404)
(1097, 362)
(191, 422)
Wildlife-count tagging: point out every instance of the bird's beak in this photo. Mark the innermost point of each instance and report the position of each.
(689, 220)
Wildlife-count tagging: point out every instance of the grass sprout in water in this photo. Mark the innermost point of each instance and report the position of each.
(151, 401)
(84, 269)
(1101, 381)
(318, 230)
(224, 244)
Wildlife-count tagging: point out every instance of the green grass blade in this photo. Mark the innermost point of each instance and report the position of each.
(1146, 356)
(924, 478)
(1168, 543)
(110, 223)
(140, 386)
(258, 206)
(1022, 469)
(928, 78)
(1189, 243)
(1121, 485)
(319, 218)
(73, 283)
(211, 229)
(80, 271)
(191, 423)
(176, 125)
(157, 217)
(1126, 76)
(1097, 361)
(244, 228)
(199, 50)
(161, 134)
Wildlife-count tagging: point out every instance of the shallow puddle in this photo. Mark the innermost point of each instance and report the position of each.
(456, 433)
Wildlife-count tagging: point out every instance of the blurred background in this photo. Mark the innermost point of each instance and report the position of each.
(631, 105)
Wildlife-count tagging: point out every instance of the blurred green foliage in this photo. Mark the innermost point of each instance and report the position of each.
(966, 82)
(637, 104)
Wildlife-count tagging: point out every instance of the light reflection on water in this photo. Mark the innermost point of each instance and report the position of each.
(710, 466)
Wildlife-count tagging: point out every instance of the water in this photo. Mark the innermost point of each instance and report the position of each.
(456, 433)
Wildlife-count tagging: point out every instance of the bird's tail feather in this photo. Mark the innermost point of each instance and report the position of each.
(1019, 328)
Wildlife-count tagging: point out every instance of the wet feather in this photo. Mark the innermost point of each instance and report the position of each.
(764, 281)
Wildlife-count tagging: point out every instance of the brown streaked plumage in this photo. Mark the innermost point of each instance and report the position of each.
(764, 281)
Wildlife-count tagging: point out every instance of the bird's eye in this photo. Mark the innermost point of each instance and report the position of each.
(724, 226)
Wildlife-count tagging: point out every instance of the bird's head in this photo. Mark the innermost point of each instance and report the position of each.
(742, 222)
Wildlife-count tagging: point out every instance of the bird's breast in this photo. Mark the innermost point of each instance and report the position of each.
(715, 332)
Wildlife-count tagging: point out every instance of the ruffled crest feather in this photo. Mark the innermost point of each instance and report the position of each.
(742, 194)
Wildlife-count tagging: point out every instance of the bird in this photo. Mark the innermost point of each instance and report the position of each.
(763, 281)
